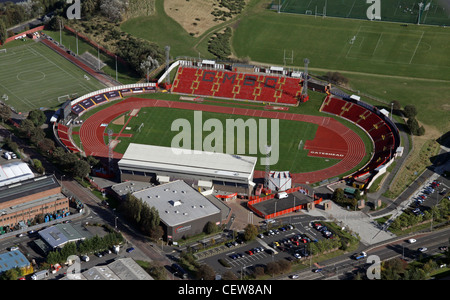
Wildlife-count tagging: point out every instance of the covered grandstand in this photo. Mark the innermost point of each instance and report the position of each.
(272, 85)
(149, 163)
(382, 130)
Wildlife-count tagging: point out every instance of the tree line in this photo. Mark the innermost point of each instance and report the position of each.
(410, 113)
(86, 246)
(15, 13)
(145, 217)
(31, 129)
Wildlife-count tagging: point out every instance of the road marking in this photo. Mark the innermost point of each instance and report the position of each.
(417, 46)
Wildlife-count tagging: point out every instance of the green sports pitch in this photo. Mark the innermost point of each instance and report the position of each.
(343, 44)
(156, 130)
(33, 76)
(431, 12)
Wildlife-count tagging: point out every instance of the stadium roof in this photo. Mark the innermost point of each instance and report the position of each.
(177, 202)
(196, 163)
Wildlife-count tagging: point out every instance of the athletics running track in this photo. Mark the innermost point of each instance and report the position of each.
(331, 135)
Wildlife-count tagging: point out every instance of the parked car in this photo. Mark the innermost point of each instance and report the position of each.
(411, 241)
(318, 270)
(422, 249)
(129, 250)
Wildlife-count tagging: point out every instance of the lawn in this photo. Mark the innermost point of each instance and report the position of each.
(37, 76)
(394, 11)
(392, 62)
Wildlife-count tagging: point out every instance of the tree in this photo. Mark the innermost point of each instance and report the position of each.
(38, 166)
(410, 111)
(81, 168)
(3, 33)
(205, 272)
(37, 116)
(210, 227)
(46, 145)
(5, 113)
(112, 9)
(338, 195)
(89, 7)
(273, 268)
(250, 232)
(27, 126)
(414, 127)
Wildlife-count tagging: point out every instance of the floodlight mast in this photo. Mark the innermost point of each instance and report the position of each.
(304, 95)
(266, 177)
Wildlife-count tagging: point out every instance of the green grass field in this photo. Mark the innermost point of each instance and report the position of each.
(156, 131)
(392, 62)
(389, 61)
(391, 10)
(36, 76)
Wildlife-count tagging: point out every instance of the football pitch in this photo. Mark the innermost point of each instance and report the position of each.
(153, 126)
(34, 76)
(342, 44)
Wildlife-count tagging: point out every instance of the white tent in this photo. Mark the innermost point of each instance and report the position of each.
(14, 172)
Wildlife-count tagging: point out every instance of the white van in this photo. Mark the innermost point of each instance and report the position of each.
(282, 195)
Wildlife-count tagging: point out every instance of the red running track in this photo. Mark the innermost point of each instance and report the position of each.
(92, 133)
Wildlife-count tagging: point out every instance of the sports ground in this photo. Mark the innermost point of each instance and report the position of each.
(394, 11)
(38, 77)
(318, 133)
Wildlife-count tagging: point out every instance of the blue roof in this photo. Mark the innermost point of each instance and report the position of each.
(12, 259)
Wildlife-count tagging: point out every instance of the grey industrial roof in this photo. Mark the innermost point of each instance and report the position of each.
(177, 202)
(218, 165)
(120, 269)
(59, 234)
(27, 187)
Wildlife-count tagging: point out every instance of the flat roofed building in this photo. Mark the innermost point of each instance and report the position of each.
(14, 172)
(58, 235)
(120, 269)
(13, 259)
(146, 162)
(182, 210)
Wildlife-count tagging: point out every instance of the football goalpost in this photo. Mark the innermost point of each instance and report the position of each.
(140, 126)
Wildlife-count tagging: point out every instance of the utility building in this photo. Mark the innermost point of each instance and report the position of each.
(183, 210)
